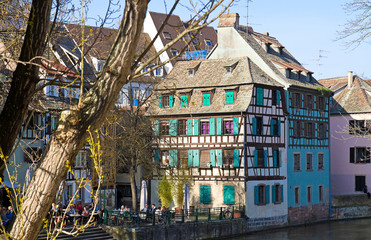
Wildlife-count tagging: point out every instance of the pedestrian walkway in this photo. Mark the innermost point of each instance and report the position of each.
(93, 232)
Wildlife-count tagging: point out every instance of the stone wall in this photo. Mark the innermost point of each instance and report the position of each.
(308, 214)
(350, 212)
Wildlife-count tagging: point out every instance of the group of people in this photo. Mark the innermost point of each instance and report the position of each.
(6, 215)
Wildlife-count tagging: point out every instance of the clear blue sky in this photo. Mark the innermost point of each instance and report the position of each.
(306, 28)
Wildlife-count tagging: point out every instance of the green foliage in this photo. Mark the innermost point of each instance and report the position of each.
(164, 192)
(324, 90)
(179, 194)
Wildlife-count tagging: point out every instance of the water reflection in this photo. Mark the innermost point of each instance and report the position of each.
(338, 230)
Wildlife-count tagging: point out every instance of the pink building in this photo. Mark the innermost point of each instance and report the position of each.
(350, 130)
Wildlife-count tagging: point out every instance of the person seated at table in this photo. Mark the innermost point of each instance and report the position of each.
(85, 213)
(153, 209)
(126, 210)
(79, 208)
(146, 209)
(70, 214)
(122, 209)
(91, 207)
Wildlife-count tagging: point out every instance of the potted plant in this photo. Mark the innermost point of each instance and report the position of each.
(179, 197)
(164, 192)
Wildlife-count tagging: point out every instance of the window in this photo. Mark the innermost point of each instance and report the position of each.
(309, 194)
(360, 183)
(205, 194)
(166, 101)
(260, 158)
(183, 100)
(182, 127)
(164, 128)
(276, 158)
(297, 195)
(296, 100)
(135, 96)
(309, 102)
(261, 194)
(359, 155)
(205, 127)
(165, 157)
(321, 103)
(183, 158)
(228, 192)
(309, 162)
(228, 126)
(259, 96)
(229, 97)
(297, 128)
(277, 193)
(205, 158)
(275, 128)
(32, 154)
(321, 165)
(208, 42)
(288, 73)
(359, 127)
(320, 193)
(81, 159)
(310, 129)
(298, 75)
(228, 158)
(228, 70)
(296, 162)
(167, 35)
(321, 130)
(206, 99)
(174, 52)
(258, 126)
(191, 72)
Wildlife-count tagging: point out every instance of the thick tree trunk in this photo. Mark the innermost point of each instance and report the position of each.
(133, 188)
(73, 125)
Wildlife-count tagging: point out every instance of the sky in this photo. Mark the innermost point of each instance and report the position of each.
(307, 28)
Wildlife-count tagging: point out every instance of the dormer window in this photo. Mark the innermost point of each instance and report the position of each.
(230, 95)
(165, 101)
(207, 97)
(191, 72)
(167, 35)
(309, 77)
(174, 52)
(288, 73)
(298, 73)
(229, 69)
(268, 47)
(208, 42)
(280, 50)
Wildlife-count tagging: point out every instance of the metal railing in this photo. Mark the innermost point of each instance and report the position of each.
(142, 219)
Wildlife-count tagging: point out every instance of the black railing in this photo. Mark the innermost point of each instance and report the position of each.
(142, 219)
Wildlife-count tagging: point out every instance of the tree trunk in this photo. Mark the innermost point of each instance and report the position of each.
(133, 188)
(73, 125)
(25, 77)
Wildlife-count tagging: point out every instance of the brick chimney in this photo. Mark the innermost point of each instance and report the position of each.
(350, 79)
(229, 20)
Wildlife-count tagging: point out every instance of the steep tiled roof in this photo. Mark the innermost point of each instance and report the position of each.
(353, 99)
(211, 75)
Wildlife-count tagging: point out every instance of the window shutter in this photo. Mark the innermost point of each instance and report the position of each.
(265, 159)
(183, 100)
(190, 158)
(173, 158)
(218, 126)
(196, 128)
(160, 101)
(235, 125)
(157, 156)
(229, 97)
(228, 192)
(212, 157)
(219, 157)
(255, 158)
(281, 193)
(274, 193)
(171, 101)
(272, 126)
(157, 127)
(189, 127)
(351, 155)
(205, 194)
(212, 126)
(172, 127)
(254, 126)
(206, 99)
(259, 96)
(279, 128)
(275, 158)
(266, 194)
(256, 195)
(196, 158)
(236, 157)
(278, 97)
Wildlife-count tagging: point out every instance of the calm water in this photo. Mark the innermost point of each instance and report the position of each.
(338, 230)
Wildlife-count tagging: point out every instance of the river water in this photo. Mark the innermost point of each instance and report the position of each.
(359, 229)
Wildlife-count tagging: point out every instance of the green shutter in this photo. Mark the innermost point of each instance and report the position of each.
(279, 127)
(218, 126)
(206, 99)
(157, 127)
(173, 158)
(235, 125)
(236, 157)
(172, 127)
(272, 126)
(157, 156)
(212, 157)
(212, 126)
(196, 158)
(196, 128)
(281, 193)
(171, 101)
(219, 157)
(183, 100)
(255, 158)
(254, 126)
(266, 194)
(265, 158)
(278, 95)
(256, 195)
(205, 194)
(229, 97)
(273, 193)
(275, 158)
(259, 96)
(160, 101)
(189, 127)
(190, 158)
(228, 192)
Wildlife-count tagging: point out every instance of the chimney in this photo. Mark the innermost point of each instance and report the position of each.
(229, 20)
(350, 79)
